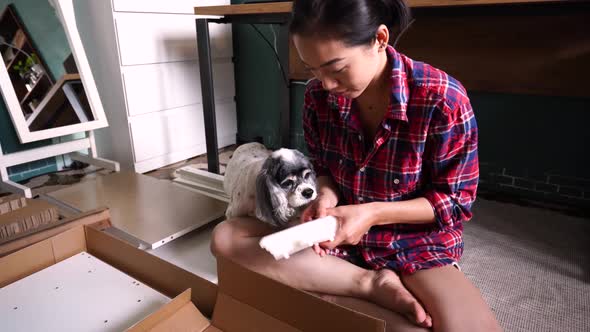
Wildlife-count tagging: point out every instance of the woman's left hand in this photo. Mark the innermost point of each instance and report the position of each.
(354, 221)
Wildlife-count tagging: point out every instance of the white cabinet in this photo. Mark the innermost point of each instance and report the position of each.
(143, 54)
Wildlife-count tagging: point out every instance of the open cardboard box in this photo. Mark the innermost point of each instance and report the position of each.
(243, 300)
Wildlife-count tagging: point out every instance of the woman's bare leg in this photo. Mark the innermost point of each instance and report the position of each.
(238, 239)
(453, 301)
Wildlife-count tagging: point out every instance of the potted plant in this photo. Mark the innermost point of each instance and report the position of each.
(30, 70)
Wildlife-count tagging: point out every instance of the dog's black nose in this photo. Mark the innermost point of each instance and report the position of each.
(307, 193)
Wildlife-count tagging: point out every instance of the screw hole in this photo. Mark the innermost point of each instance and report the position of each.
(106, 321)
(57, 287)
(138, 300)
(15, 308)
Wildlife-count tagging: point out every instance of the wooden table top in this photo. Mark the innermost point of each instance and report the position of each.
(285, 7)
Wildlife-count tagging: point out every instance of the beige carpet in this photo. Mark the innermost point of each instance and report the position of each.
(532, 266)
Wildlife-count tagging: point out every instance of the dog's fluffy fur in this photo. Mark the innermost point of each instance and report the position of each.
(271, 186)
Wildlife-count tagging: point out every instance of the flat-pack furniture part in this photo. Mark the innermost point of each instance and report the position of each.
(284, 243)
(103, 298)
(146, 211)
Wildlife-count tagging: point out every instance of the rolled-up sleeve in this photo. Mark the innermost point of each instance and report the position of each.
(451, 159)
(311, 133)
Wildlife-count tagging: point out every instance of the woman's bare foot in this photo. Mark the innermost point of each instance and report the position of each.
(388, 291)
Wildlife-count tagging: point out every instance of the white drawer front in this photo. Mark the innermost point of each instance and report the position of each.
(174, 130)
(154, 38)
(163, 6)
(156, 87)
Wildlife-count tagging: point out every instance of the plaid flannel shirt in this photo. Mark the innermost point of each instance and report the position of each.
(426, 146)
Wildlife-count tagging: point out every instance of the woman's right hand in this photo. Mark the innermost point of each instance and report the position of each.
(317, 209)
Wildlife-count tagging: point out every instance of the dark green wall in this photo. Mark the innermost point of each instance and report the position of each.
(48, 35)
(257, 75)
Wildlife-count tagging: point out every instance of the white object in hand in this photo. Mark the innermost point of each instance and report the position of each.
(291, 240)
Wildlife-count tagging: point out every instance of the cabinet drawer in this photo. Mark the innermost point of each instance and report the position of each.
(156, 87)
(162, 6)
(177, 129)
(155, 38)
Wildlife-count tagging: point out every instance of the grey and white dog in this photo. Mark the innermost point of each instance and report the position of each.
(274, 187)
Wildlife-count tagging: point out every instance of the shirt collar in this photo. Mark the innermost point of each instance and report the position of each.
(399, 92)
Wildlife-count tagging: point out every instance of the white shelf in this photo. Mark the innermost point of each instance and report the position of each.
(81, 293)
(191, 252)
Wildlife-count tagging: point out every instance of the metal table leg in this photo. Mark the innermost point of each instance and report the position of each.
(284, 92)
(206, 71)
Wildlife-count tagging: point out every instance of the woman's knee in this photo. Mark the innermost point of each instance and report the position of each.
(222, 239)
(227, 236)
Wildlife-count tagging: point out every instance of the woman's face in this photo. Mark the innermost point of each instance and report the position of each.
(342, 69)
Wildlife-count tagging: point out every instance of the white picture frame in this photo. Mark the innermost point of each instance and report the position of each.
(65, 12)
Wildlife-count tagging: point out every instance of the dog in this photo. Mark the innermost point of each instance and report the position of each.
(275, 187)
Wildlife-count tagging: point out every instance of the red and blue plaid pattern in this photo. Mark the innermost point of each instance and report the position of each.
(426, 146)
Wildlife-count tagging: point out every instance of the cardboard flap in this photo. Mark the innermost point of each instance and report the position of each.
(294, 307)
(151, 270)
(178, 315)
(99, 219)
(234, 316)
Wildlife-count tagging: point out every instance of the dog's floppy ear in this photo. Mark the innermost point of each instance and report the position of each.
(271, 202)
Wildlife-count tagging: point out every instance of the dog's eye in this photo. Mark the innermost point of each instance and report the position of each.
(287, 184)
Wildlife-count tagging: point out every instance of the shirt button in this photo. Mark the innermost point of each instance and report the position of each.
(340, 161)
(360, 138)
(361, 199)
(396, 181)
(363, 169)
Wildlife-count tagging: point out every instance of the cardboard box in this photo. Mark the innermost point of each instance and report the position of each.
(21, 215)
(243, 300)
(99, 218)
(11, 204)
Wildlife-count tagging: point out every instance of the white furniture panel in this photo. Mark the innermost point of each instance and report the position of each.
(162, 133)
(157, 87)
(163, 6)
(192, 252)
(81, 293)
(153, 38)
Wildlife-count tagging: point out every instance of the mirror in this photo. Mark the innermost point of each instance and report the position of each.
(39, 106)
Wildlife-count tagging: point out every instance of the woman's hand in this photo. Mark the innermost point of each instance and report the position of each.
(354, 221)
(318, 209)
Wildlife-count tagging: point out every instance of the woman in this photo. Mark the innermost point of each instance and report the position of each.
(394, 145)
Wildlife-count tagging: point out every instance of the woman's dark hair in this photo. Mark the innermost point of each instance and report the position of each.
(355, 22)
